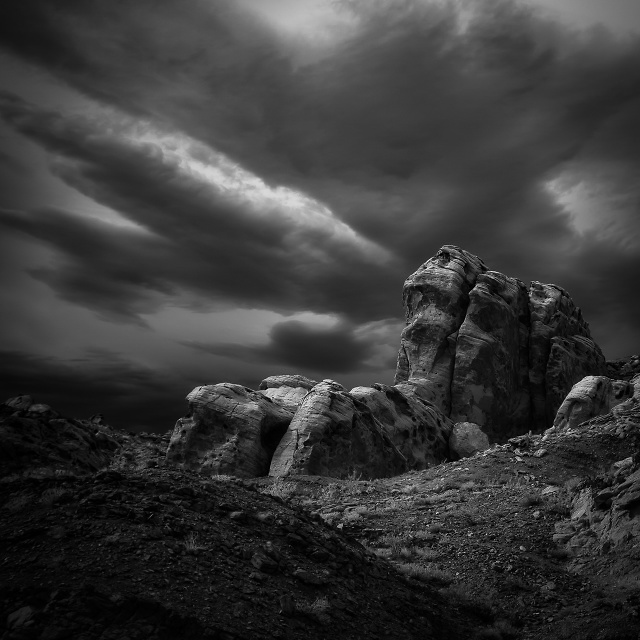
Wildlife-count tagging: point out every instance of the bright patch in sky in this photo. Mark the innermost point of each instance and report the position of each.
(596, 201)
(618, 15)
(215, 170)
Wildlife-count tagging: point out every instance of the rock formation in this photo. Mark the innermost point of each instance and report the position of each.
(479, 347)
(287, 391)
(416, 427)
(229, 430)
(486, 350)
(592, 396)
(466, 440)
(561, 350)
(436, 298)
(334, 434)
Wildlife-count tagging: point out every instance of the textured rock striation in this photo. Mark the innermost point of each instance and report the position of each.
(591, 397)
(486, 350)
(334, 434)
(418, 429)
(490, 381)
(295, 426)
(561, 350)
(436, 298)
(287, 391)
(230, 429)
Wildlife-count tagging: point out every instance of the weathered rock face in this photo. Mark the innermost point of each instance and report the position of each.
(561, 351)
(466, 440)
(287, 391)
(416, 427)
(334, 434)
(486, 350)
(490, 381)
(436, 298)
(592, 396)
(229, 430)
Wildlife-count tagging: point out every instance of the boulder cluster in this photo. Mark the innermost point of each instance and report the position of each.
(482, 359)
(487, 349)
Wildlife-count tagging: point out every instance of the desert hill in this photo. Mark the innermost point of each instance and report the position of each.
(492, 492)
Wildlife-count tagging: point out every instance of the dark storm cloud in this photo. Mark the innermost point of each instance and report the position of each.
(306, 348)
(614, 313)
(418, 129)
(130, 396)
(190, 236)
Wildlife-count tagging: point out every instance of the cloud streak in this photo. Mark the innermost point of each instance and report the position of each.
(200, 224)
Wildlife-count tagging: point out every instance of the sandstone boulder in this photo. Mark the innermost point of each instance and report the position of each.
(484, 349)
(561, 350)
(490, 382)
(336, 435)
(466, 440)
(418, 429)
(592, 396)
(230, 429)
(436, 298)
(287, 391)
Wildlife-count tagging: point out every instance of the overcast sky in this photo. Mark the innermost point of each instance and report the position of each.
(200, 191)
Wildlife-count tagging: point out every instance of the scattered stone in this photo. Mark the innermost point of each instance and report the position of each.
(287, 605)
(310, 578)
(263, 563)
(20, 617)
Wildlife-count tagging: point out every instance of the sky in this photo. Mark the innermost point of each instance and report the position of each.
(215, 191)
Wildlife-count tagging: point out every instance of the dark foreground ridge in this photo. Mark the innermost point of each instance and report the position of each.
(537, 538)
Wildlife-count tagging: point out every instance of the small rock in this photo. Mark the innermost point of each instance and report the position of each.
(20, 402)
(20, 617)
(310, 578)
(263, 563)
(540, 453)
(287, 605)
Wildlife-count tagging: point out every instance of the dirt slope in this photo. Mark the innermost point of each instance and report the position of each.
(496, 546)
